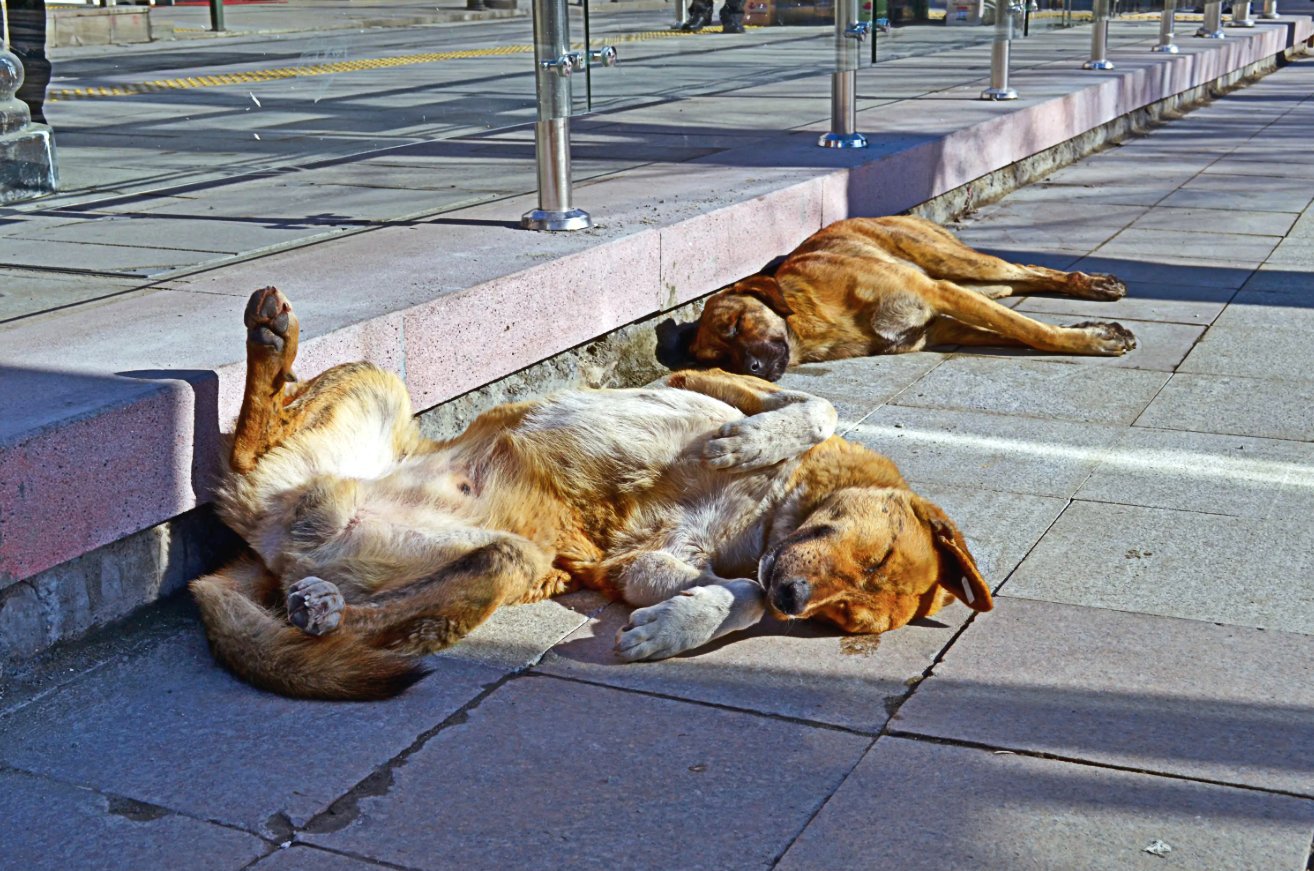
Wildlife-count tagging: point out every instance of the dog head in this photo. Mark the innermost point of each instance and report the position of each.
(742, 329)
(870, 559)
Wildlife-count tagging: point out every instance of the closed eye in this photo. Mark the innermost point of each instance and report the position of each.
(874, 568)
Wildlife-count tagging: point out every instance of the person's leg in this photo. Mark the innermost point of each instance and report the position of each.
(732, 16)
(27, 39)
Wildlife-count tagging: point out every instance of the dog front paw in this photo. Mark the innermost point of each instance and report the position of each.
(1108, 339)
(743, 444)
(315, 605)
(681, 623)
(1098, 286)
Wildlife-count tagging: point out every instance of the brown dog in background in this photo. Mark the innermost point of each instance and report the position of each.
(867, 286)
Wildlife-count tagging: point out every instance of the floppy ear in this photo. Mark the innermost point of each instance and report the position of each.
(673, 341)
(958, 571)
(767, 290)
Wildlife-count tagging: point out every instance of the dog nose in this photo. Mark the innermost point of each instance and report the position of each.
(754, 366)
(791, 596)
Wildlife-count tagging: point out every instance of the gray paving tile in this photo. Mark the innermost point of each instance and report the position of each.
(1145, 301)
(1239, 406)
(859, 385)
(1219, 474)
(1062, 391)
(1047, 225)
(552, 773)
(1253, 352)
(1233, 191)
(989, 451)
(300, 857)
(1181, 697)
(1295, 253)
(1280, 279)
(1092, 195)
(55, 826)
(1216, 221)
(1269, 309)
(25, 292)
(808, 671)
(1243, 571)
(1160, 346)
(517, 636)
(168, 726)
(138, 259)
(919, 805)
(1170, 246)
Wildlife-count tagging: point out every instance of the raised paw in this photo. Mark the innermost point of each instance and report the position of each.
(269, 319)
(1097, 286)
(1107, 338)
(314, 606)
(740, 444)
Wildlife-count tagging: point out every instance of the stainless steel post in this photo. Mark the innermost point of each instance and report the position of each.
(1099, 39)
(1241, 14)
(681, 12)
(1212, 27)
(554, 63)
(1167, 25)
(999, 53)
(849, 34)
(1270, 9)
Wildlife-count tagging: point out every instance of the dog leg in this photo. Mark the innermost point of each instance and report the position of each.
(974, 310)
(690, 619)
(271, 346)
(781, 424)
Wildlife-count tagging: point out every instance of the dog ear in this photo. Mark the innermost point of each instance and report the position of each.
(673, 341)
(958, 570)
(767, 290)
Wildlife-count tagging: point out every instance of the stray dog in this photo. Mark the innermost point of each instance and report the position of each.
(709, 505)
(867, 286)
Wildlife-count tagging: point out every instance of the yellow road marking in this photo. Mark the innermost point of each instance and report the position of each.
(132, 89)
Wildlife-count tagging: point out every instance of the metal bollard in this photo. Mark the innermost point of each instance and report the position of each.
(1269, 9)
(999, 53)
(1241, 14)
(1212, 27)
(554, 63)
(681, 13)
(1167, 24)
(1099, 39)
(849, 34)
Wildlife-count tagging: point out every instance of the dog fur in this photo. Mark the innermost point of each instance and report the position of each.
(867, 286)
(708, 505)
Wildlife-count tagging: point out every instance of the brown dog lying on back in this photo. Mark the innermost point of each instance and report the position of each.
(867, 286)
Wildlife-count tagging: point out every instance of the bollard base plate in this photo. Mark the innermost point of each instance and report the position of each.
(1244, 22)
(541, 219)
(1166, 49)
(1210, 34)
(842, 140)
(1097, 65)
(999, 94)
(1269, 16)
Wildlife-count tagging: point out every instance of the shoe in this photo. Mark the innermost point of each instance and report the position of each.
(732, 28)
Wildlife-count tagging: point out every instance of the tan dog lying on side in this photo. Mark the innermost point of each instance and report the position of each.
(710, 503)
(868, 286)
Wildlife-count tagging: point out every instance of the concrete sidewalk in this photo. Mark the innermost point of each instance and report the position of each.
(1141, 696)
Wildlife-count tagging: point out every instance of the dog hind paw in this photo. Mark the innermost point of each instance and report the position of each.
(1109, 339)
(269, 318)
(315, 605)
(1102, 287)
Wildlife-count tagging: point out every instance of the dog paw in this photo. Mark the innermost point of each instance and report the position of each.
(314, 606)
(269, 319)
(1107, 339)
(742, 444)
(1099, 286)
(682, 622)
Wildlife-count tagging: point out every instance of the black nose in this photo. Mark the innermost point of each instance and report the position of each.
(754, 366)
(791, 596)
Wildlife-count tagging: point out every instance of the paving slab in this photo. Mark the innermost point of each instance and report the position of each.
(1180, 697)
(1269, 310)
(1234, 191)
(1268, 352)
(554, 773)
(1168, 269)
(1245, 571)
(300, 857)
(1168, 246)
(859, 385)
(987, 451)
(1028, 388)
(169, 727)
(1239, 406)
(1203, 472)
(1215, 221)
(920, 805)
(52, 826)
(517, 636)
(1145, 301)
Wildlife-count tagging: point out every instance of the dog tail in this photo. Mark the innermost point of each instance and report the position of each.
(267, 652)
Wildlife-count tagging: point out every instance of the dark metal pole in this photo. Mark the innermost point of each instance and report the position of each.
(217, 15)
